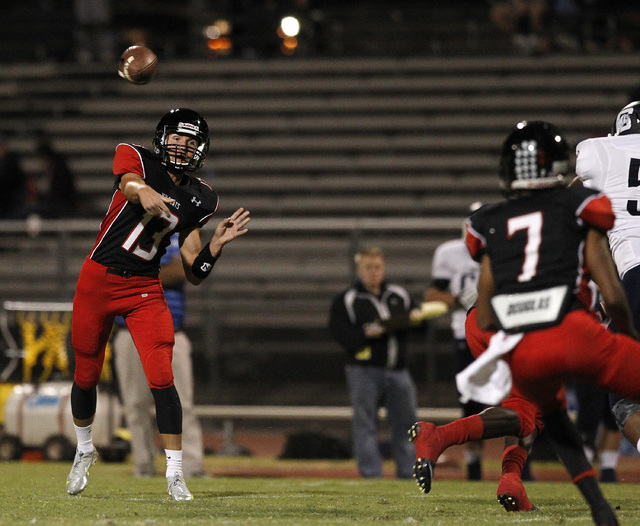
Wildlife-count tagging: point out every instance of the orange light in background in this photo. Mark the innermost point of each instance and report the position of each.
(220, 45)
(218, 37)
(289, 45)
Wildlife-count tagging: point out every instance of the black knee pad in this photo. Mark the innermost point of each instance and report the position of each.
(83, 403)
(168, 410)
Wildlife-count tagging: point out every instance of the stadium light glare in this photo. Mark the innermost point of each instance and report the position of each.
(290, 26)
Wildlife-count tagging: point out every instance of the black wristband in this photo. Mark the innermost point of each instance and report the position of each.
(203, 264)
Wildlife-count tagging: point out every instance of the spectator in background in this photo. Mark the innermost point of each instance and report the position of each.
(454, 281)
(255, 29)
(60, 199)
(13, 179)
(134, 391)
(525, 21)
(611, 25)
(568, 24)
(94, 36)
(376, 367)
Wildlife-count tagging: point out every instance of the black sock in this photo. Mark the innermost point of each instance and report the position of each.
(565, 441)
(474, 470)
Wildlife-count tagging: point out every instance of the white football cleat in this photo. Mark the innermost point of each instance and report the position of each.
(79, 474)
(177, 488)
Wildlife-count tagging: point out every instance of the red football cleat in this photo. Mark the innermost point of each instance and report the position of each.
(512, 495)
(424, 436)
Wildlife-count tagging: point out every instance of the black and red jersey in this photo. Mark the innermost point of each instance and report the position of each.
(132, 240)
(537, 241)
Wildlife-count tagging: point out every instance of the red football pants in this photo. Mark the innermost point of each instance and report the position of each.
(579, 348)
(528, 411)
(99, 298)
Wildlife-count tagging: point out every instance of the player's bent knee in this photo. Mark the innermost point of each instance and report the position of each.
(500, 421)
(622, 410)
(87, 373)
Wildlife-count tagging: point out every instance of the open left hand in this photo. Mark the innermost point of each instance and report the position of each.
(228, 229)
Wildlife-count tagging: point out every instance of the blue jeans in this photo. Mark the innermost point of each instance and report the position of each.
(369, 389)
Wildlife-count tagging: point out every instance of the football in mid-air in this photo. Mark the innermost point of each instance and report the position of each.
(138, 64)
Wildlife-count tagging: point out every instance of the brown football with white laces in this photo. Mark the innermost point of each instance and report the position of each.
(138, 65)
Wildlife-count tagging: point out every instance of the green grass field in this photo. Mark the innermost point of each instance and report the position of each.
(34, 493)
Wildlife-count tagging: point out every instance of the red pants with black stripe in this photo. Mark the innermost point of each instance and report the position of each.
(99, 298)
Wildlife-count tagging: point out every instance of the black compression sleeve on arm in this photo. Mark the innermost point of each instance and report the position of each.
(203, 264)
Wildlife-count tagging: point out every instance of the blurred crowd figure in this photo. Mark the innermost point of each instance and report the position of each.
(102, 29)
(525, 21)
(13, 179)
(58, 198)
(95, 37)
(538, 27)
(49, 192)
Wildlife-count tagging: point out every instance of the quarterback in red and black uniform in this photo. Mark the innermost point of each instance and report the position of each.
(537, 251)
(154, 197)
(124, 242)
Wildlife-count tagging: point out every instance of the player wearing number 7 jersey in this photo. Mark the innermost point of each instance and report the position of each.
(154, 197)
(537, 251)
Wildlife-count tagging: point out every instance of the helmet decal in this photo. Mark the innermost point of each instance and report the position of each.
(535, 156)
(623, 122)
(526, 164)
(628, 120)
(187, 127)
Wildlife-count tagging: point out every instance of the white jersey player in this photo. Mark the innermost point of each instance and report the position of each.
(452, 268)
(454, 278)
(612, 164)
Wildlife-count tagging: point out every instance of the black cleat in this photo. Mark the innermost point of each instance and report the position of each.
(510, 503)
(423, 473)
(413, 432)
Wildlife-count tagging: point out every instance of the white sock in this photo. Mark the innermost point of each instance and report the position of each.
(609, 459)
(174, 462)
(475, 455)
(85, 441)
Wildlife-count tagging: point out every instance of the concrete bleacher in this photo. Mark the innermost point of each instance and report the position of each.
(327, 154)
(346, 137)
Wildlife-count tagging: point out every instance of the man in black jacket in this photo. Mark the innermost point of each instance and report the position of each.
(362, 321)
